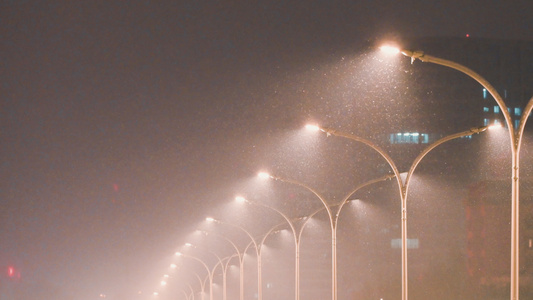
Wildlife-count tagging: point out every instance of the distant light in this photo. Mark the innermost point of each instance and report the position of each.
(208, 219)
(312, 127)
(263, 175)
(495, 126)
(156, 293)
(102, 296)
(179, 253)
(10, 271)
(188, 244)
(240, 199)
(173, 266)
(467, 35)
(163, 283)
(387, 49)
(166, 276)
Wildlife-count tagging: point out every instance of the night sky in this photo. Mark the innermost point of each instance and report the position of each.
(123, 122)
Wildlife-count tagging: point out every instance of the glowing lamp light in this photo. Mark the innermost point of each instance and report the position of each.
(173, 266)
(188, 244)
(495, 126)
(208, 219)
(156, 293)
(179, 254)
(240, 199)
(387, 49)
(263, 175)
(312, 127)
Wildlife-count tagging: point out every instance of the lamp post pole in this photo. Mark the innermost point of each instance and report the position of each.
(209, 273)
(240, 256)
(403, 186)
(516, 141)
(296, 242)
(257, 252)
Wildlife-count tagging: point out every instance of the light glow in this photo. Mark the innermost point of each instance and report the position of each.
(208, 219)
(178, 254)
(495, 126)
(240, 199)
(388, 49)
(312, 127)
(263, 175)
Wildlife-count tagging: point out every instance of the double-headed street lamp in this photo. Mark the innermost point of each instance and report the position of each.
(240, 256)
(515, 139)
(298, 233)
(257, 252)
(402, 185)
(209, 272)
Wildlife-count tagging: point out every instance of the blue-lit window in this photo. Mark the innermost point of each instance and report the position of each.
(517, 111)
(496, 122)
(486, 109)
(516, 123)
(484, 93)
(486, 122)
(411, 243)
(496, 109)
(409, 138)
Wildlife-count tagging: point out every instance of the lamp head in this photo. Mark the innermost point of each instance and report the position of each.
(264, 175)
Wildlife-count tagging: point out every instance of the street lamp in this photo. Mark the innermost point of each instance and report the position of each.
(240, 256)
(296, 240)
(257, 252)
(298, 235)
(209, 272)
(516, 141)
(223, 266)
(332, 216)
(402, 185)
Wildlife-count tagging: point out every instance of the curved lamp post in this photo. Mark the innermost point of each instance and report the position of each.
(516, 141)
(332, 216)
(296, 241)
(209, 273)
(298, 233)
(223, 266)
(240, 256)
(257, 252)
(402, 185)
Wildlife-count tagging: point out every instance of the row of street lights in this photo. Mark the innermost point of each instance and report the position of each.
(333, 211)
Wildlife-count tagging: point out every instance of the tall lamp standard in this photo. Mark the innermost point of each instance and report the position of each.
(296, 241)
(516, 141)
(298, 233)
(257, 252)
(209, 273)
(223, 266)
(402, 185)
(240, 256)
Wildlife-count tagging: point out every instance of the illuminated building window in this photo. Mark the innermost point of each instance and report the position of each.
(517, 111)
(484, 93)
(486, 109)
(516, 123)
(486, 122)
(409, 138)
(411, 243)
(496, 109)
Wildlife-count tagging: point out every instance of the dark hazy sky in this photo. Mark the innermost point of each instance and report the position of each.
(122, 121)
